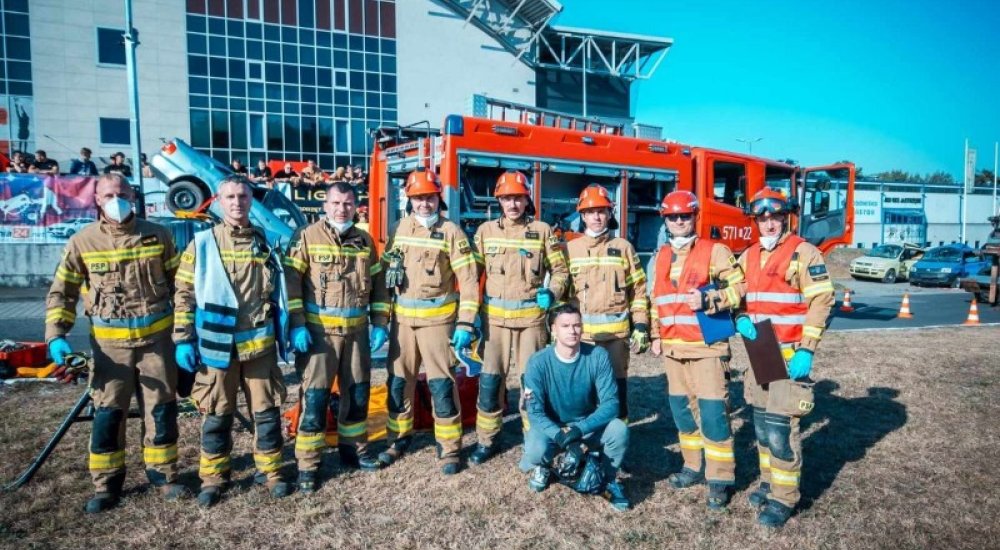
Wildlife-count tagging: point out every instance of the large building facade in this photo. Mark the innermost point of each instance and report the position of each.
(293, 79)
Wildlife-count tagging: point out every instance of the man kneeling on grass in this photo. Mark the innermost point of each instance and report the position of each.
(572, 403)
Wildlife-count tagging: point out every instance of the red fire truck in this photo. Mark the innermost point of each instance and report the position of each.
(563, 154)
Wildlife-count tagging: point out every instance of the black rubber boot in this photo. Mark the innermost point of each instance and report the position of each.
(774, 515)
(758, 498)
(451, 468)
(101, 502)
(685, 478)
(308, 482)
(719, 496)
(395, 451)
(481, 454)
(280, 489)
(209, 496)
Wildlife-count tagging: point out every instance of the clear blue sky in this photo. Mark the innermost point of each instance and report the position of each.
(885, 83)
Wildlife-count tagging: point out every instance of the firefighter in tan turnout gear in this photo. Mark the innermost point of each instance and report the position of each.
(692, 274)
(610, 286)
(787, 282)
(126, 268)
(229, 291)
(517, 253)
(431, 268)
(335, 283)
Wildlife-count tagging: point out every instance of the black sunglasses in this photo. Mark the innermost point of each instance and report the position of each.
(678, 217)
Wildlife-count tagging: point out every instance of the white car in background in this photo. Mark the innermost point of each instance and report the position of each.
(68, 228)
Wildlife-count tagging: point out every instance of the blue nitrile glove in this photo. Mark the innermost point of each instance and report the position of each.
(301, 339)
(801, 364)
(745, 327)
(59, 349)
(544, 299)
(187, 357)
(378, 338)
(461, 339)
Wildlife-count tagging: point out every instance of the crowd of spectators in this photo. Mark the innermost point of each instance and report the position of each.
(83, 165)
(310, 176)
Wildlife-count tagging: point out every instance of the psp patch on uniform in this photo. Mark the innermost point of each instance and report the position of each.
(150, 239)
(463, 246)
(532, 235)
(187, 258)
(98, 267)
(437, 235)
(806, 406)
(553, 240)
(818, 272)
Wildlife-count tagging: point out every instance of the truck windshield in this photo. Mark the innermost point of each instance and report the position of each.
(886, 251)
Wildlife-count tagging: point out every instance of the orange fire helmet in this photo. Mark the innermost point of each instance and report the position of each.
(594, 196)
(422, 182)
(511, 182)
(679, 202)
(769, 201)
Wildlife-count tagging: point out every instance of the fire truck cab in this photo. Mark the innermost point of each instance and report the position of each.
(562, 154)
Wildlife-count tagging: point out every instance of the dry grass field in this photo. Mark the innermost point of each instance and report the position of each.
(900, 452)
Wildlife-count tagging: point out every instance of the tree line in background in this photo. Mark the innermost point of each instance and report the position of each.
(984, 177)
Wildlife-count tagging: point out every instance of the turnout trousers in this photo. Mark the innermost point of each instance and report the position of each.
(409, 348)
(502, 346)
(150, 374)
(347, 358)
(699, 402)
(215, 391)
(777, 408)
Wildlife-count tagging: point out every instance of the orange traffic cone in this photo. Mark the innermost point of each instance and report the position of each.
(904, 310)
(846, 306)
(973, 318)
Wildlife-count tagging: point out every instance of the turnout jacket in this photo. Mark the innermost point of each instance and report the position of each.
(609, 284)
(125, 273)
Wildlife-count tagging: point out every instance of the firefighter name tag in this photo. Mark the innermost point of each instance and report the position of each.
(614, 252)
(99, 267)
(532, 235)
(150, 239)
(818, 272)
(437, 235)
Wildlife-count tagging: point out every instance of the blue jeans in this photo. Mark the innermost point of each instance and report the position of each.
(540, 450)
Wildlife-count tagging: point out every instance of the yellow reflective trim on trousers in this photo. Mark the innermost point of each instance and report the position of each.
(68, 276)
(527, 244)
(295, 263)
(446, 309)
(255, 345)
(267, 462)
(817, 288)
(442, 431)
(721, 454)
(765, 460)
(125, 333)
(786, 478)
(153, 456)
(816, 333)
(604, 328)
(691, 442)
(59, 314)
(185, 275)
(487, 423)
(310, 442)
(400, 425)
(352, 430)
(419, 242)
(121, 254)
(107, 461)
(213, 466)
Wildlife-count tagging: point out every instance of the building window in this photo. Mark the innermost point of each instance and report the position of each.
(115, 131)
(110, 46)
(730, 183)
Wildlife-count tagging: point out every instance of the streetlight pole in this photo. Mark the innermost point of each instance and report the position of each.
(749, 142)
(131, 37)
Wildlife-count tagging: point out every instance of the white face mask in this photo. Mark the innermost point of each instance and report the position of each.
(340, 227)
(593, 234)
(681, 242)
(428, 221)
(117, 209)
(769, 242)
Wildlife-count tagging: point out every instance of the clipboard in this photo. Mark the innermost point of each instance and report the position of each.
(765, 354)
(715, 327)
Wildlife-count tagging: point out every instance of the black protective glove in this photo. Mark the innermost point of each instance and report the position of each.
(566, 437)
(569, 463)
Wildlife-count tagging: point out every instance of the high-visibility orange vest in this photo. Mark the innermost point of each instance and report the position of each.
(678, 323)
(769, 296)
